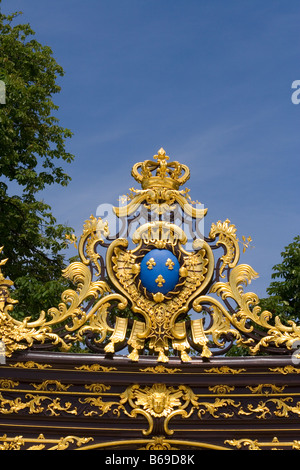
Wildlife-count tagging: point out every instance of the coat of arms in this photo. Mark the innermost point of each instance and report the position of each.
(156, 288)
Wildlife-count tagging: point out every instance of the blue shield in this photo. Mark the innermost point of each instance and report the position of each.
(159, 271)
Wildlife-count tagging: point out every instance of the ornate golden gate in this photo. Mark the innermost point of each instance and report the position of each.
(150, 284)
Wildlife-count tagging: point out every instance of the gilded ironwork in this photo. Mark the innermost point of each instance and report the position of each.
(96, 368)
(118, 302)
(30, 365)
(160, 369)
(255, 444)
(41, 443)
(286, 370)
(36, 404)
(224, 370)
(149, 407)
(266, 389)
(221, 389)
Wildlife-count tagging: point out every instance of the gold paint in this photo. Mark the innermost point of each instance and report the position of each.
(118, 335)
(96, 368)
(161, 401)
(136, 268)
(64, 442)
(170, 264)
(181, 344)
(135, 341)
(252, 444)
(158, 297)
(150, 263)
(168, 175)
(155, 402)
(97, 388)
(158, 314)
(270, 388)
(286, 370)
(262, 410)
(158, 443)
(51, 385)
(102, 406)
(199, 336)
(30, 365)
(7, 383)
(215, 409)
(275, 444)
(227, 237)
(221, 389)
(159, 233)
(224, 370)
(34, 404)
(158, 401)
(16, 443)
(160, 280)
(160, 369)
(183, 272)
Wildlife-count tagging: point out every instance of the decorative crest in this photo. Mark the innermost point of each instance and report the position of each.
(160, 174)
(141, 298)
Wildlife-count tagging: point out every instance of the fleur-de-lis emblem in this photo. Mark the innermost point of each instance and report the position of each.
(170, 264)
(151, 263)
(160, 281)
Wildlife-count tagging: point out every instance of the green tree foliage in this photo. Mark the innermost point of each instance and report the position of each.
(32, 145)
(284, 292)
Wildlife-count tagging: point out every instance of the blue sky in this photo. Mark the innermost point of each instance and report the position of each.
(207, 80)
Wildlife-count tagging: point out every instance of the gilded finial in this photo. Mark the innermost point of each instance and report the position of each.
(170, 175)
(161, 155)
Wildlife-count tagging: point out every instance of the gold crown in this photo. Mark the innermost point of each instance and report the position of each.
(160, 174)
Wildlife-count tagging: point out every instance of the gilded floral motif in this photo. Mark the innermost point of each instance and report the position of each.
(113, 280)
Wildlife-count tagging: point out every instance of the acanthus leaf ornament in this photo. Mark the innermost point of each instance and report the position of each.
(138, 292)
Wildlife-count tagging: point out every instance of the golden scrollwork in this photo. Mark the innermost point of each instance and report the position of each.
(35, 404)
(160, 183)
(18, 335)
(221, 389)
(158, 443)
(160, 369)
(266, 389)
(239, 443)
(51, 385)
(224, 370)
(97, 388)
(103, 407)
(7, 383)
(160, 404)
(286, 370)
(158, 401)
(41, 443)
(255, 444)
(96, 368)
(30, 365)
(249, 313)
(159, 312)
(154, 319)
